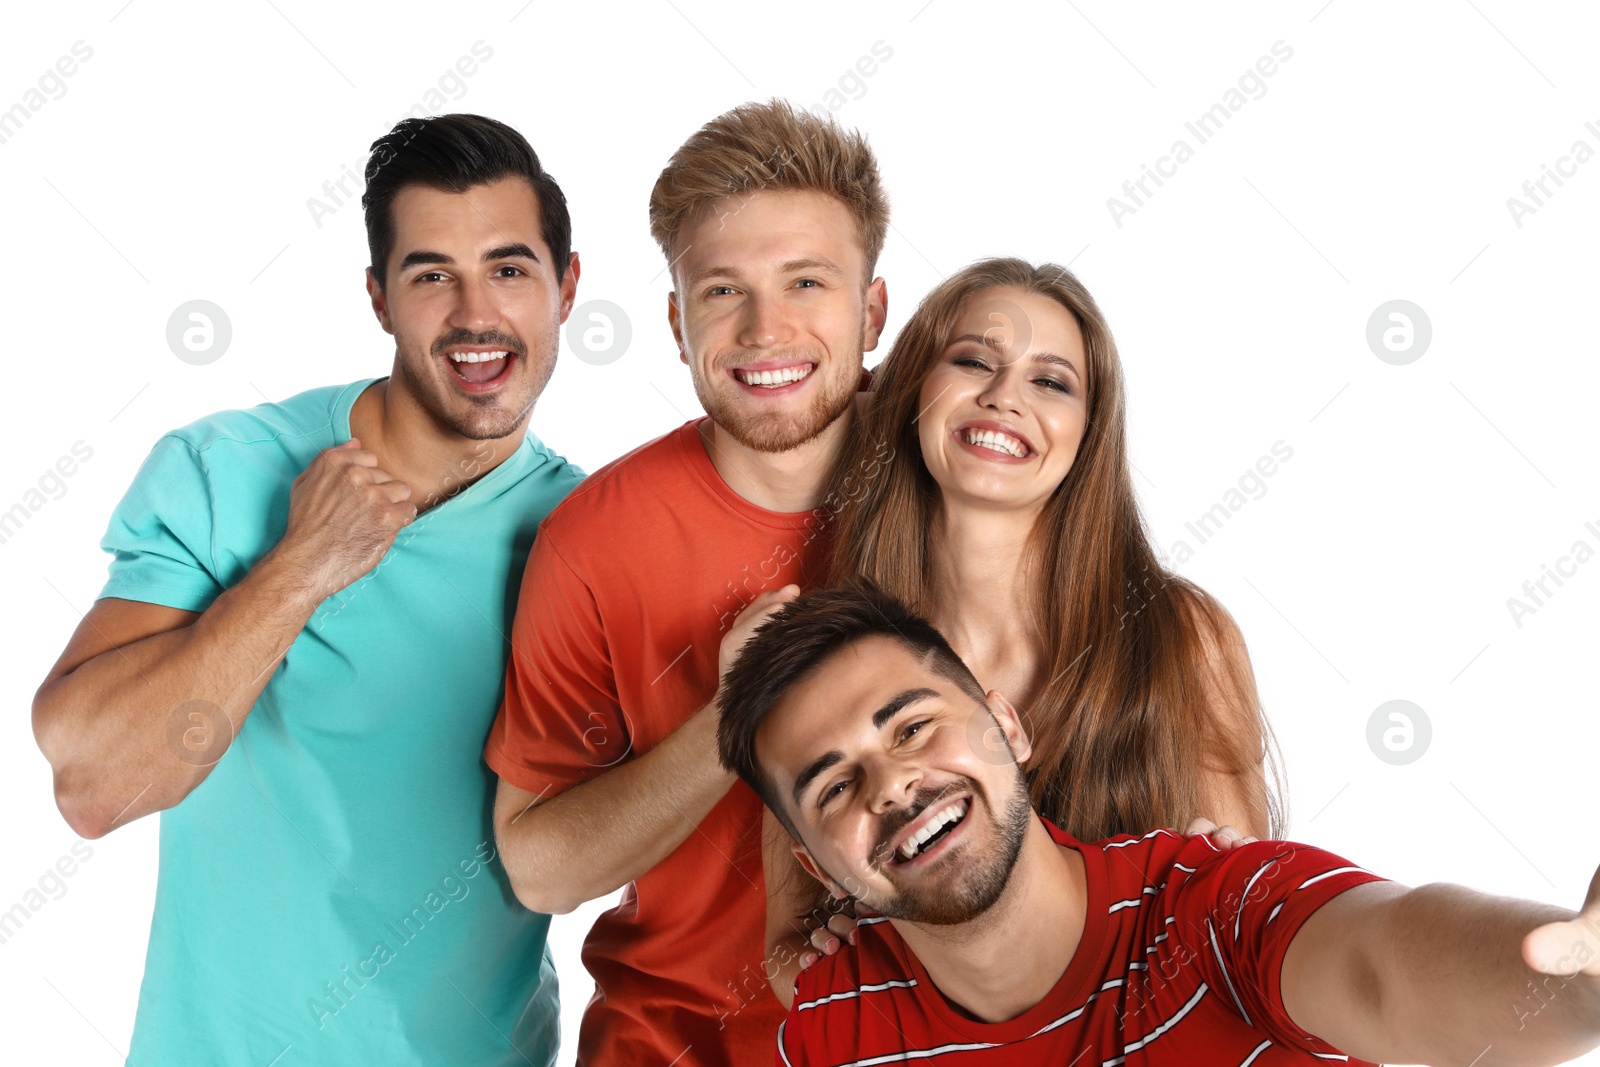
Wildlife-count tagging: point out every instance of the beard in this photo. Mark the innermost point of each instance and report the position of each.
(779, 433)
(477, 418)
(973, 888)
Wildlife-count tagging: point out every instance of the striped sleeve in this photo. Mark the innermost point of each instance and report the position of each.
(1241, 910)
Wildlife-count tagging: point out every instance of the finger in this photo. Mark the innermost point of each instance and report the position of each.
(1563, 948)
(843, 927)
(823, 941)
(350, 448)
(1226, 835)
(394, 490)
(769, 600)
(1200, 826)
(807, 959)
(1591, 903)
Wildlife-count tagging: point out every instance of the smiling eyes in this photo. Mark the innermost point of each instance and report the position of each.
(723, 290)
(907, 732)
(980, 364)
(499, 271)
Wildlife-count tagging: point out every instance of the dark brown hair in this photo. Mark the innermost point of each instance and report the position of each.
(1149, 685)
(795, 641)
(455, 153)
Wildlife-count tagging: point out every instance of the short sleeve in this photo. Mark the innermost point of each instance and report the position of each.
(560, 722)
(1241, 910)
(160, 534)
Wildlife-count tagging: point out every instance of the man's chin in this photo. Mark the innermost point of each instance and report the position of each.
(772, 433)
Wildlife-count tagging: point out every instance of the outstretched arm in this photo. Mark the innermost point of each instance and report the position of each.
(1444, 975)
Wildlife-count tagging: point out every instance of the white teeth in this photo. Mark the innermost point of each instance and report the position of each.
(477, 357)
(914, 843)
(774, 377)
(1000, 442)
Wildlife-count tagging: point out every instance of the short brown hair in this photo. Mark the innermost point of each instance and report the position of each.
(771, 146)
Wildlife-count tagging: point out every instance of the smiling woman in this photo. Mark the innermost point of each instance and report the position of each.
(1007, 516)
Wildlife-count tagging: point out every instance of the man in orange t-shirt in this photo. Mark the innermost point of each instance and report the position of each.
(643, 584)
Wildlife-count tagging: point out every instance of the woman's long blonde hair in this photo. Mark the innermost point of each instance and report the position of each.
(1148, 685)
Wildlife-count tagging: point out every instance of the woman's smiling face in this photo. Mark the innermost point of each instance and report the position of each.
(1005, 405)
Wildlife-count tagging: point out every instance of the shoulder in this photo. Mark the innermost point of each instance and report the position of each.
(875, 963)
(310, 415)
(613, 493)
(1133, 861)
(553, 469)
(1217, 634)
(835, 993)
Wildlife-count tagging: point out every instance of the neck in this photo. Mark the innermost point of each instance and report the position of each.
(980, 594)
(1005, 961)
(789, 481)
(413, 448)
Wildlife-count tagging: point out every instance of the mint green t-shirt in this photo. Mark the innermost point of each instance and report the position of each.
(331, 894)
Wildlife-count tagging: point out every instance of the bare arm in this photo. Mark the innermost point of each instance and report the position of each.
(596, 837)
(599, 835)
(145, 699)
(1437, 975)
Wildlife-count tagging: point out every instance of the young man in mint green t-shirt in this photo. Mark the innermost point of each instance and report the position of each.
(301, 646)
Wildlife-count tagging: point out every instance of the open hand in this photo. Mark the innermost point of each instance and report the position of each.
(749, 619)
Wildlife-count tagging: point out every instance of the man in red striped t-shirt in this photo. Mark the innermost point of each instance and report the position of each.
(999, 939)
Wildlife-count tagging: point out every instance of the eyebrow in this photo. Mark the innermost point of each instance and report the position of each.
(894, 706)
(793, 266)
(516, 250)
(1042, 357)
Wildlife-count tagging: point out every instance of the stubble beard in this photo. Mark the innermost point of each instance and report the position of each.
(963, 901)
(772, 434)
(485, 418)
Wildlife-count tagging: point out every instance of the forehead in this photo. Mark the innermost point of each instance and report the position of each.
(832, 707)
(1015, 318)
(500, 212)
(759, 231)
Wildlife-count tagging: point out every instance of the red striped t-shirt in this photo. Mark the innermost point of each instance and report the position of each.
(1179, 963)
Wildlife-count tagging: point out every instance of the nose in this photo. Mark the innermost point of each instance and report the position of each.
(1004, 390)
(764, 322)
(475, 309)
(894, 785)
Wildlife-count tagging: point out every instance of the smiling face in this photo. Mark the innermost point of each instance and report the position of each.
(903, 788)
(472, 299)
(1004, 407)
(772, 311)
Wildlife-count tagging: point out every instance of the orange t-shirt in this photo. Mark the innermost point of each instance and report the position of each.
(633, 581)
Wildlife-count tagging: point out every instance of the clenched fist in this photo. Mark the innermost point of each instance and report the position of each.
(344, 514)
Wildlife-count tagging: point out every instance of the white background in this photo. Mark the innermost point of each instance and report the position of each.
(1377, 166)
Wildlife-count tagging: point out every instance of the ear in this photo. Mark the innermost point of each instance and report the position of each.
(877, 313)
(675, 320)
(809, 865)
(569, 285)
(380, 302)
(1010, 721)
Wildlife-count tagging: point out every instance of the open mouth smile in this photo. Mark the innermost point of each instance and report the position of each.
(480, 370)
(929, 835)
(993, 442)
(771, 378)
